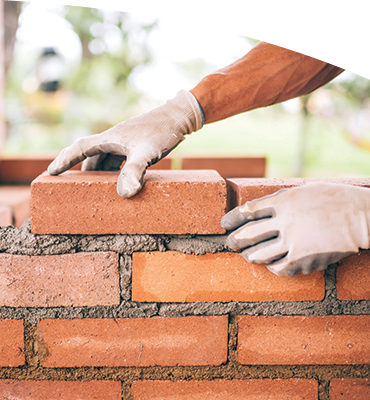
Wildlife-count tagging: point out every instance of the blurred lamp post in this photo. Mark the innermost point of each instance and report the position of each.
(50, 70)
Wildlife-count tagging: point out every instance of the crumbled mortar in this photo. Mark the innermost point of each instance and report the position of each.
(197, 244)
(22, 241)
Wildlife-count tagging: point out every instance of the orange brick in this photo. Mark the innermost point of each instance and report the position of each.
(229, 167)
(82, 279)
(11, 343)
(243, 190)
(340, 339)
(177, 277)
(135, 342)
(18, 198)
(5, 215)
(165, 163)
(350, 389)
(353, 277)
(256, 389)
(50, 390)
(24, 169)
(172, 202)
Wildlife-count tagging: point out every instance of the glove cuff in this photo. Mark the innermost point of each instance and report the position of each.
(193, 110)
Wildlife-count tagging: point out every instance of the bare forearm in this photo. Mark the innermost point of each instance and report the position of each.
(267, 75)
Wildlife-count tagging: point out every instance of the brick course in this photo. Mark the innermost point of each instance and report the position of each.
(172, 202)
(297, 389)
(350, 389)
(342, 339)
(82, 279)
(11, 343)
(134, 342)
(229, 167)
(51, 390)
(5, 215)
(18, 198)
(353, 277)
(176, 277)
(244, 189)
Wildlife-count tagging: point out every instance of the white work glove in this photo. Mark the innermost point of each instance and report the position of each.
(141, 141)
(301, 229)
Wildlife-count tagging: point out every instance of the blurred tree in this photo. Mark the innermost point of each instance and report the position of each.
(12, 10)
(92, 96)
(113, 45)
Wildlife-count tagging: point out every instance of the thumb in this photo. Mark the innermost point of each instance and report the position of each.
(131, 177)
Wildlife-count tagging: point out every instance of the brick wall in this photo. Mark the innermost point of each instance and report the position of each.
(106, 298)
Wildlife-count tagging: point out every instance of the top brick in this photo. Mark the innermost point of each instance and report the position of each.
(86, 202)
(242, 190)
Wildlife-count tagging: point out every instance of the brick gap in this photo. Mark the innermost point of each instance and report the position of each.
(31, 345)
(322, 373)
(324, 387)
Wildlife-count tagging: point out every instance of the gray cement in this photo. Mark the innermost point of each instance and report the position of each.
(22, 241)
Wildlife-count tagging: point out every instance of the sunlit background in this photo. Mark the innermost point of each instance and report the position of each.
(77, 71)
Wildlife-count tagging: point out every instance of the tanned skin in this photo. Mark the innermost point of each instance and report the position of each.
(267, 75)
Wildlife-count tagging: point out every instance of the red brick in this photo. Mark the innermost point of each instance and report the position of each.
(50, 390)
(350, 389)
(243, 190)
(340, 339)
(177, 277)
(11, 343)
(18, 198)
(135, 342)
(256, 389)
(5, 216)
(172, 202)
(353, 277)
(165, 163)
(229, 167)
(24, 169)
(82, 279)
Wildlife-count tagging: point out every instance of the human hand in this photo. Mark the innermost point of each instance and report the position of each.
(141, 141)
(301, 229)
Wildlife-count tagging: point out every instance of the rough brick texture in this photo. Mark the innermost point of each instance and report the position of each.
(229, 167)
(350, 389)
(353, 277)
(342, 339)
(82, 279)
(266, 389)
(134, 342)
(51, 390)
(177, 277)
(243, 190)
(172, 202)
(11, 343)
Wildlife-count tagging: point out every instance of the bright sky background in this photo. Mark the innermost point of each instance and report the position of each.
(174, 40)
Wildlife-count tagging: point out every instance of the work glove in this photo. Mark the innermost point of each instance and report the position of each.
(301, 229)
(141, 141)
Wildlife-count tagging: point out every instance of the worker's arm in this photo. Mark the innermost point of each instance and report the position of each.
(267, 75)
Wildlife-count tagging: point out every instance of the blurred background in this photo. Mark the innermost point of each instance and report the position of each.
(74, 71)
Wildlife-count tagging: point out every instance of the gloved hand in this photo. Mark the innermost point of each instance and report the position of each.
(141, 141)
(301, 229)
